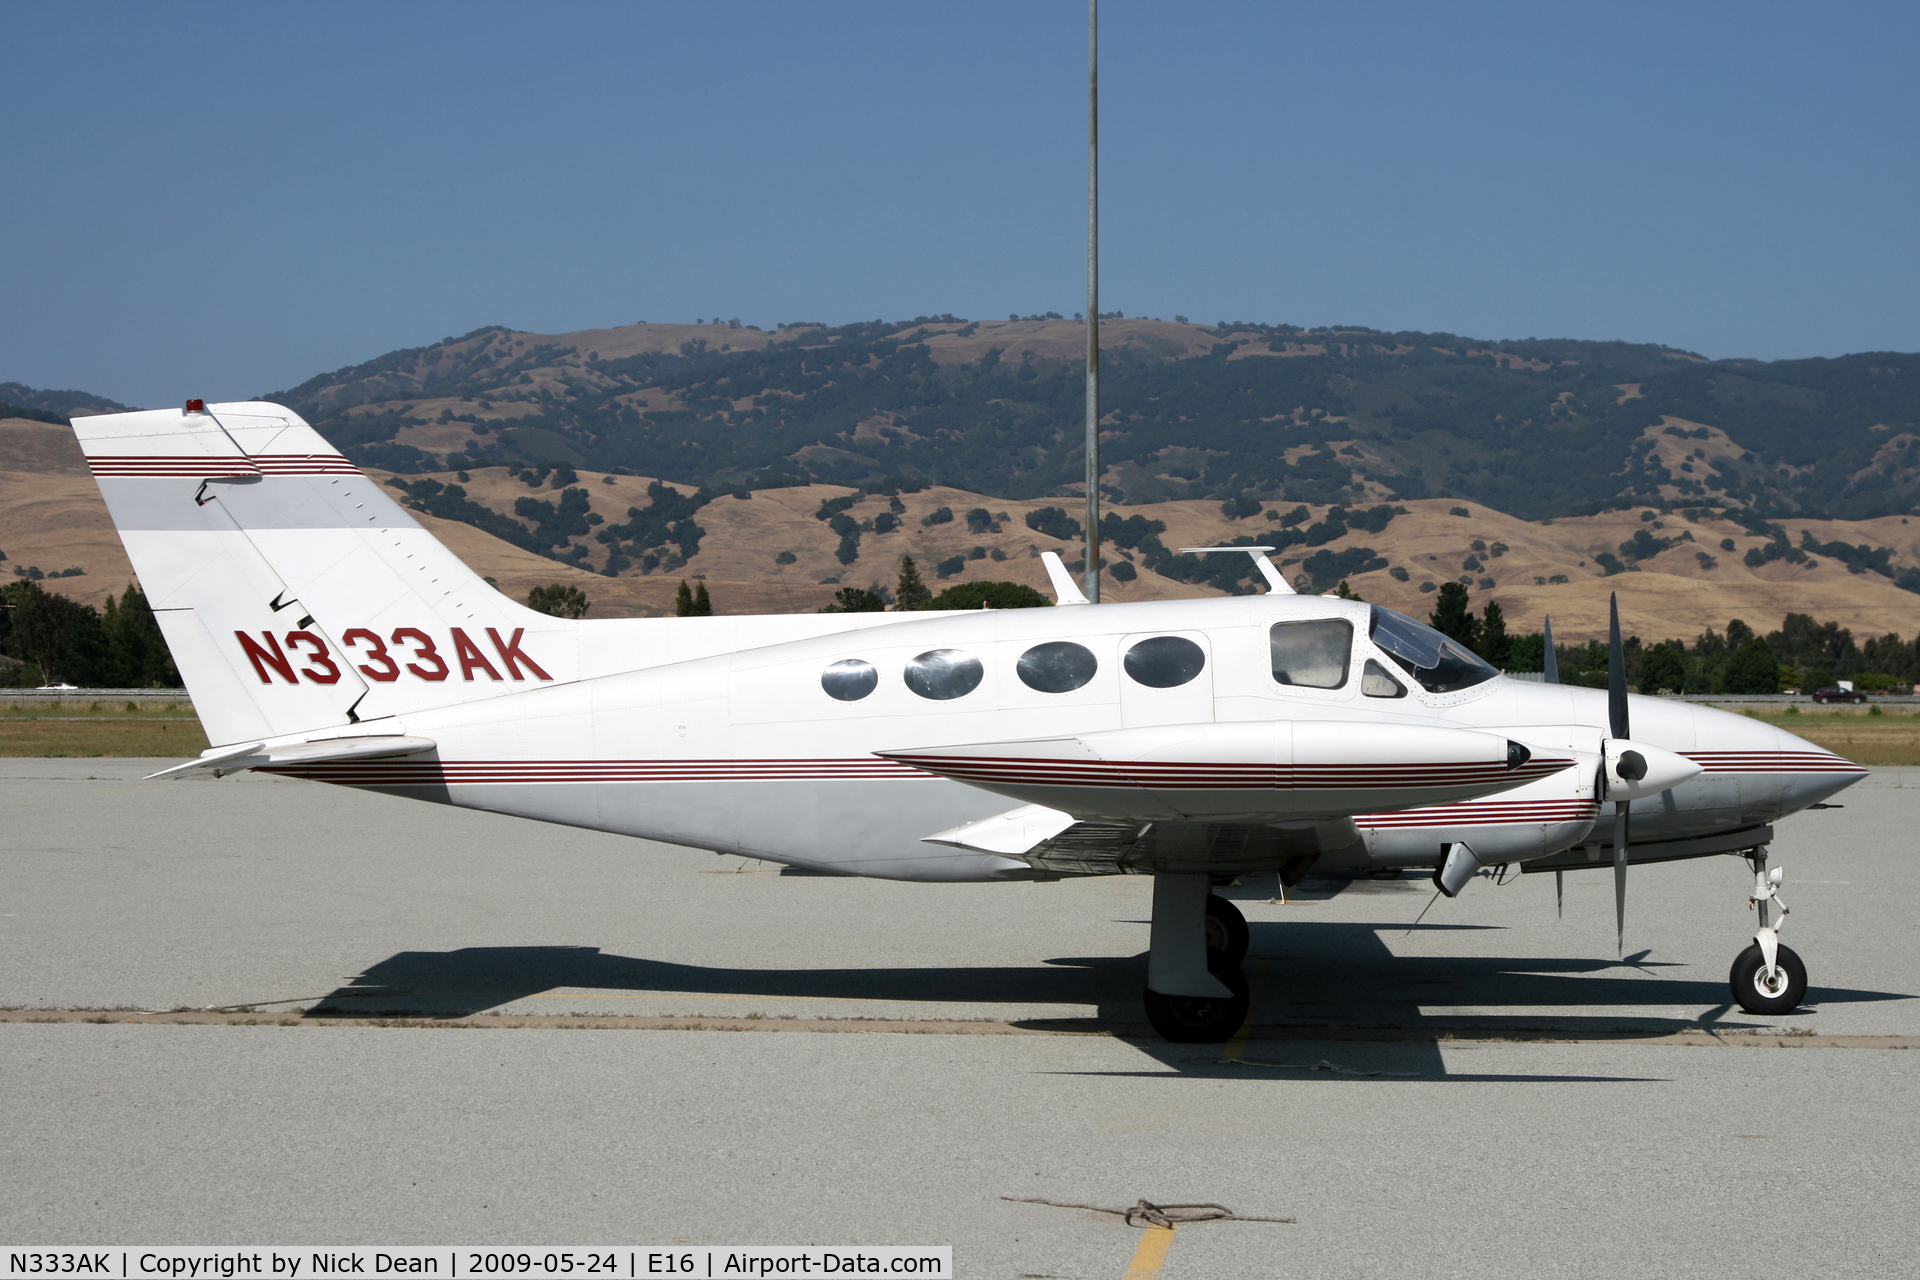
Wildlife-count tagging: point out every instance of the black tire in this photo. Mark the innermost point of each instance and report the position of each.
(1201, 1019)
(1227, 936)
(1750, 988)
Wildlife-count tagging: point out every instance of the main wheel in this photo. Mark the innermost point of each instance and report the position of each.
(1227, 936)
(1759, 993)
(1201, 1019)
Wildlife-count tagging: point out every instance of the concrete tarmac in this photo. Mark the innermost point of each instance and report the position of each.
(1460, 1158)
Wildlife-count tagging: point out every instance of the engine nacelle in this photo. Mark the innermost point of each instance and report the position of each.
(1248, 771)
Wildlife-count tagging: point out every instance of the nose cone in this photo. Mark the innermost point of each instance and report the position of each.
(1778, 769)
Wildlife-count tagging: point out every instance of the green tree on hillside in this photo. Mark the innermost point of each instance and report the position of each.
(69, 642)
(1751, 669)
(559, 600)
(1663, 668)
(855, 600)
(1451, 616)
(910, 593)
(1492, 642)
(993, 595)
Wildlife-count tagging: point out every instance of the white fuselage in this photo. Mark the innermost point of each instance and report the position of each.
(745, 753)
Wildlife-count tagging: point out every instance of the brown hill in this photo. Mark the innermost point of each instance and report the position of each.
(51, 516)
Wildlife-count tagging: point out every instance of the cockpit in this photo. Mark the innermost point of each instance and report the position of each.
(1439, 664)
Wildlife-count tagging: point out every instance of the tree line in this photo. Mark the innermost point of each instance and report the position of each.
(48, 638)
(1802, 654)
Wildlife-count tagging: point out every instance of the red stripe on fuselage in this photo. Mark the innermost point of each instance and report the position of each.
(193, 466)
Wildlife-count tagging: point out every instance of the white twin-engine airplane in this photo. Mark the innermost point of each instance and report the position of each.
(324, 634)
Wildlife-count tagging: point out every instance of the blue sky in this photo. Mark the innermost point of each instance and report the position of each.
(222, 200)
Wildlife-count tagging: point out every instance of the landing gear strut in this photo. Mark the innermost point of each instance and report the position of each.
(1194, 994)
(1767, 978)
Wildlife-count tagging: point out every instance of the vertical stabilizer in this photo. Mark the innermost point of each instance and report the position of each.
(294, 593)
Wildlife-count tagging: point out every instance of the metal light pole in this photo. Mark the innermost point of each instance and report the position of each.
(1093, 302)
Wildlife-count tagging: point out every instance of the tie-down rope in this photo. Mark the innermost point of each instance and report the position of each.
(1143, 1213)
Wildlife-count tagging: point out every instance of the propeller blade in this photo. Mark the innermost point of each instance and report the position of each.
(1620, 876)
(1616, 674)
(1552, 667)
(1559, 895)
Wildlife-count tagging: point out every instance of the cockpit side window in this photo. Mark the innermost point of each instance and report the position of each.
(1377, 682)
(1439, 664)
(1311, 654)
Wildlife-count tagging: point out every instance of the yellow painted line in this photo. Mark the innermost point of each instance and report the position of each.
(1151, 1255)
(1237, 1047)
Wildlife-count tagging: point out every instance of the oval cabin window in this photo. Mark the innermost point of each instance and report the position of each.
(1057, 667)
(849, 680)
(1164, 662)
(943, 674)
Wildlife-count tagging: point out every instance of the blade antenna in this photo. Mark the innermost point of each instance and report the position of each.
(1617, 721)
(1552, 665)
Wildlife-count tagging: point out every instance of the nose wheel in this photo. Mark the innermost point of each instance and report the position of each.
(1767, 978)
(1770, 990)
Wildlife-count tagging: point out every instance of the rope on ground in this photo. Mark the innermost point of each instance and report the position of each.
(1144, 1213)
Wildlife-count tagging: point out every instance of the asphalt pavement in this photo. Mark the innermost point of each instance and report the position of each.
(1400, 1151)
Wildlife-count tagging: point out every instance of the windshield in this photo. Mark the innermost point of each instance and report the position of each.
(1439, 664)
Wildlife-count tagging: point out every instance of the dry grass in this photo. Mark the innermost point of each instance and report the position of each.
(74, 728)
(1890, 738)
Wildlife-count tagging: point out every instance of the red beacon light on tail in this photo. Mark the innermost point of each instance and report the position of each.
(196, 406)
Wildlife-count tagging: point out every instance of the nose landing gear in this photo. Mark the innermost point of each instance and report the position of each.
(1767, 977)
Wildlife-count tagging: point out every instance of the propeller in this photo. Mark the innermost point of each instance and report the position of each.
(1552, 665)
(1617, 724)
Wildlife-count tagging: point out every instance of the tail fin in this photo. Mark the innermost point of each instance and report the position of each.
(293, 592)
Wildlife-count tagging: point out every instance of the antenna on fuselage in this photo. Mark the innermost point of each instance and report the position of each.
(1277, 584)
(1064, 592)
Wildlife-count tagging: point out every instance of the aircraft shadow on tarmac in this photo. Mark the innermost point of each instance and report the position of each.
(1306, 974)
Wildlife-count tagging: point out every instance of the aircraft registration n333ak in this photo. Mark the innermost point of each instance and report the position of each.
(324, 634)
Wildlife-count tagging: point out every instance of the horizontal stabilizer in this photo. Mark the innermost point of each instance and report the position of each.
(256, 754)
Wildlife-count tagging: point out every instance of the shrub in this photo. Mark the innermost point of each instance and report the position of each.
(995, 595)
(559, 601)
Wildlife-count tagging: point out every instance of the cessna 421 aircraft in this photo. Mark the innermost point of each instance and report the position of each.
(324, 634)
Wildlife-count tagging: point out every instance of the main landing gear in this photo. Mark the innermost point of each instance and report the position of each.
(1227, 937)
(1195, 992)
(1767, 978)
